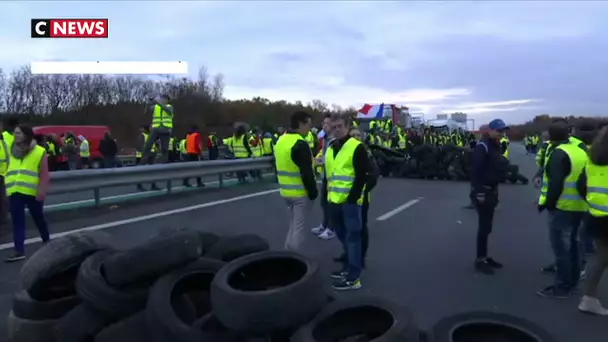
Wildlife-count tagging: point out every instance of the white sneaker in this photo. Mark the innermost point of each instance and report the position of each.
(318, 230)
(592, 305)
(327, 234)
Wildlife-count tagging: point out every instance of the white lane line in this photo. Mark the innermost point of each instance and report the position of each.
(399, 209)
(136, 219)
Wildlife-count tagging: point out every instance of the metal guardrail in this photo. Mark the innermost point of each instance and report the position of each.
(85, 180)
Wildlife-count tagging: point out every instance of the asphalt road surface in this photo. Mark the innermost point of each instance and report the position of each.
(421, 246)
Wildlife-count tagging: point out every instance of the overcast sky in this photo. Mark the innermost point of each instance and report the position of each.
(512, 60)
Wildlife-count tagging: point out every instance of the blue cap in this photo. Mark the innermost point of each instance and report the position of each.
(497, 125)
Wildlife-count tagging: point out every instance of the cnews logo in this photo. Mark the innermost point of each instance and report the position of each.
(69, 28)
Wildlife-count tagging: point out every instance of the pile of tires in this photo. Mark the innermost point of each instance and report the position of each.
(189, 286)
(447, 162)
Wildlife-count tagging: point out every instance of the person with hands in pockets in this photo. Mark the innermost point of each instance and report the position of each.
(485, 177)
(295, 173)
(27, 180)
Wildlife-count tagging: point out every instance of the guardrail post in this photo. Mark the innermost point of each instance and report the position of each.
(169, 186)
(97, 196)
(220, 180)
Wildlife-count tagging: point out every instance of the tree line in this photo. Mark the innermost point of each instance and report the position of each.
(120, 103)
(541, 123)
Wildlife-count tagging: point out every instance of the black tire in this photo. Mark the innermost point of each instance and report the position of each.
(131, 329)
(232, 247)
(80, 325)
(268, 289)
(373, 319)
(163, 321)
(26, 307)
(207, 239)
(487, 326)
(113, 302)
(153, 258)
(49, 268)
(25, 330)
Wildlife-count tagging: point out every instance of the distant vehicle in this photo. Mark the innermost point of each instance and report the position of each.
(93, 134)
(444, 126)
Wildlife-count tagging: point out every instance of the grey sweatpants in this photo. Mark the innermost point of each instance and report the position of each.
(299, 210)
(163, 135)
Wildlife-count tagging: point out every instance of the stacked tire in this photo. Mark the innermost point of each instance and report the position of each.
(188, 286)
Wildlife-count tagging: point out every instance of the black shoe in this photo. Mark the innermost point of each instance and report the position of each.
(493, 263)
(155, 188)
(187, 185)
(548, 269)
(15, 257)
(140, 188)
(553, 292)
(482, 266)
(339, 275)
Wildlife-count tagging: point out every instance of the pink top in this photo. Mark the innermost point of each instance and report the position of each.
(45, 176)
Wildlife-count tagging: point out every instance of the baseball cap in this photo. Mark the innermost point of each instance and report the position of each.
(497, 125)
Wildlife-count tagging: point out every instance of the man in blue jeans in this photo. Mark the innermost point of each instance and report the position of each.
(346, 170)
(566, 208)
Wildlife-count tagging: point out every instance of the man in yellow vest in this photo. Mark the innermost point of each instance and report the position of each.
(162, 125)
(567, 209)
(6, 141)
(295, 174)
(346, 171)
(85, 152)
(593, 186)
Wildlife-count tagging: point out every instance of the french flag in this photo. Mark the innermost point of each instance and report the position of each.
(371, 111)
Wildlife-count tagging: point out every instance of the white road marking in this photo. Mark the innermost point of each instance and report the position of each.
(399, 209)
(29, 241)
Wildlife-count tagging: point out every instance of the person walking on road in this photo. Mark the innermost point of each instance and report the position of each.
(27, 180)
(194, 147)
(347, 170)
(324, 231)
(162, 125)
(296, 177)
(593, 186)
(485, 177)
(559, 196)
(239, 146)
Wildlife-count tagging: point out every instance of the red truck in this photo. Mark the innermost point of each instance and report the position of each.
(93, 134)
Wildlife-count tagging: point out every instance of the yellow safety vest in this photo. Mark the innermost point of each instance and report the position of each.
(5, 155)
(505, 140)
(227, 142)
(290, 180)
(171, 143)
(310, 139)
(402, 142)
(162, 118)
(182, 146)
(267, 143)
(237, 146)
(340, 171)
(569, 200)
(258, 150)
(597, 189)
(85, 152)
(23, 175)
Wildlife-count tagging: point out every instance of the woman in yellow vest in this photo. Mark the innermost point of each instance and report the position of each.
(27, 180)
(593, 186)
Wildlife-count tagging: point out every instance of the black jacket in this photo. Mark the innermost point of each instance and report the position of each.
(108, 147)
(302, 157)
(485, 168)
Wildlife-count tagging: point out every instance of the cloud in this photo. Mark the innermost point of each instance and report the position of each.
(511, 59)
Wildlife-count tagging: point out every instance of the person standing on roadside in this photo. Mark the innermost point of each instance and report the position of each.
(324, 231)
(593, 186)
(347, 170)
(194, 147)
(162, 125)
(485, 177)
(372, 181)
(27, 180)
(108, 149)
(559, 196)
(297, 184)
